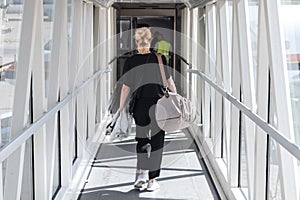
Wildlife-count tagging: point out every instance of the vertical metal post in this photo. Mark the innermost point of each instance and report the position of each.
(206, 89)
(38, 89)
(226, 70)
(233, 157)
(202, 55)
(247, 81)
(211, 37)
(15, 163)
(53, 91)
(97, 60)
(90, 70)
(262, 107)
(65, 128)
(75, 60)
(219, 81)
(288, 165)
(103, 61)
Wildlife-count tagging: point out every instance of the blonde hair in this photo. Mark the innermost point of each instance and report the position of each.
(143, 37)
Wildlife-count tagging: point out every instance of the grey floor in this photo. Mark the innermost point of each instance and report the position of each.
(183, 174)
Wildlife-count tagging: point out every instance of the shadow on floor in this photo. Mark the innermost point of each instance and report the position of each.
(111, 195)
(125, 150)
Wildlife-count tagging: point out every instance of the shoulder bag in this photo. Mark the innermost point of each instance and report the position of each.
(173, 112)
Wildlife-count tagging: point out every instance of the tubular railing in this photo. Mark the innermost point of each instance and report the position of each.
(271, 131)
(275, 134)
(16, 143)
(6, 64)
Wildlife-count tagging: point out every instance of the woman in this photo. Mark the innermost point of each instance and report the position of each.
(141, 75)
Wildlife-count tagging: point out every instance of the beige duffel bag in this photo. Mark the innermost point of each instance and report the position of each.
(173, 112)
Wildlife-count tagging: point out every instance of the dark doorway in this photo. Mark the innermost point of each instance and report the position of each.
(125, 30)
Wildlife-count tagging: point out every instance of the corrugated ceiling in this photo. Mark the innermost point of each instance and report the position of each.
(188, 3)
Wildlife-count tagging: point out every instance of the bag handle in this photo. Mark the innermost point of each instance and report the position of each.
(163, 74)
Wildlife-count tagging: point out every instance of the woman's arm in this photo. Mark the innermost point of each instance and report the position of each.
(124, 94)
(171, 85)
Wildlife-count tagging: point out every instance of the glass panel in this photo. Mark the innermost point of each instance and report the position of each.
(224, 148)
(75, 138)
(202, 53)
(48, 29)
(226, 138)
(289, 19)
(11, 13)
(48, 39)
(253, 18)
(230, 23)
(125, 36)
(125, 40)
(70, 23)
(243, 180)
(274, 182)
(274, 187)
(57, 162)
(27, 185)
(3, 171)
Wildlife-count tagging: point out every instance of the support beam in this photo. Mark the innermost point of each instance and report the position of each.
(38, 87)
(66, 130)
(15, 163)
(279, 76)
(211, 37)
(260, 170)
(75, 60)
(218, 97)
(207, 89)
(104, 44)
(248, 95)
(226, 71)
(90, 70)
(81, 99)
(233, 158)
(53, 91)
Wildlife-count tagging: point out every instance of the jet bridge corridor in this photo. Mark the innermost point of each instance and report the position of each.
(61, 68)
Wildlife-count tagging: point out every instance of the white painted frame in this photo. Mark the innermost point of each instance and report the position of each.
(63, 78)
(15, 163)
(288, 165)
(226, 70)
(75, 85)
(262, 108)
(240, 84)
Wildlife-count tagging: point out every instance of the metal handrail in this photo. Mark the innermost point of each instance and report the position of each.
(276, 135)
(7, 64)
(183, 59)
(13, 145)
(112, 60)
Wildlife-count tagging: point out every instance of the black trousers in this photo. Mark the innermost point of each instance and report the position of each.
(148, 132)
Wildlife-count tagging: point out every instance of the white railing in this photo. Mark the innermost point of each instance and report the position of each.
(13, 145)
(269, 130)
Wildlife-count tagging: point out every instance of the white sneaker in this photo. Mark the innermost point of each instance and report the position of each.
(152, 185)
(140, 181)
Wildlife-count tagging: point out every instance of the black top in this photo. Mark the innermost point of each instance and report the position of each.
(141, 71)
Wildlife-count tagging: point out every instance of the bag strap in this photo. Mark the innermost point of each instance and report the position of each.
(163, 74)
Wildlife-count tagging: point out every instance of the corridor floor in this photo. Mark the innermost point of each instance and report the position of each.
(183, 175)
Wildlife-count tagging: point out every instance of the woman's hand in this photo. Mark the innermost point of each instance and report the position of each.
(171, 85)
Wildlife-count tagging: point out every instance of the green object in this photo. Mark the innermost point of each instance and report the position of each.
(163, 47)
